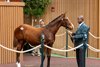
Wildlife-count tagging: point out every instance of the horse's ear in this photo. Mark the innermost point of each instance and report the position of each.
(65, 14)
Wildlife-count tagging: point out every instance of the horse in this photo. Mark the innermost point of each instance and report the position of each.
(27, 33)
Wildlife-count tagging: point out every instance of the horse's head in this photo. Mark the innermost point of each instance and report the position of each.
(67, 23)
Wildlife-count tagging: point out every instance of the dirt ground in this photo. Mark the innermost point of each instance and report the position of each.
(34, 61)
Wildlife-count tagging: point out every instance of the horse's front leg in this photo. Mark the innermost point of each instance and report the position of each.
(43, 53)
(48, 56)
(19, 48)
(42, 60)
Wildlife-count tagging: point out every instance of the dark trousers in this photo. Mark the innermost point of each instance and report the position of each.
(80, 56)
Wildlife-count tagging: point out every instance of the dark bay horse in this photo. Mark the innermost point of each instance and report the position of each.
(26, 33)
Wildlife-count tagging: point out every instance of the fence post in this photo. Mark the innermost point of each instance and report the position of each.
(66, 43)
(42, 49)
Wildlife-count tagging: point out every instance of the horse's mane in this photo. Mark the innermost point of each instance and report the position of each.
(55, 20)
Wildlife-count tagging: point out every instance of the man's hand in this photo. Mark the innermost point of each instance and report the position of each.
(70, 33)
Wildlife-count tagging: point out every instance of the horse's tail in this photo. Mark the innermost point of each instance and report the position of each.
(15, 42)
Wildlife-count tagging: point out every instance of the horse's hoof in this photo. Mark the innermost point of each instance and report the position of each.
(18, 64)
(48, 66)
(41, 66)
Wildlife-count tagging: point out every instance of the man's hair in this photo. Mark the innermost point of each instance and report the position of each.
(81, 17)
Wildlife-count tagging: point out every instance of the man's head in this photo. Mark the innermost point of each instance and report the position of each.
(80, 19)
(41, 22)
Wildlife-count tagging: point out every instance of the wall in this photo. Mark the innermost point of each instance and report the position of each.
(11, 16)
(99, 26)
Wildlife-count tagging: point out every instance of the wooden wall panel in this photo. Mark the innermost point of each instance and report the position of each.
(93, 14)
(0, 36)
(99, 26)
(2, 0)
(72, 14)
(10, 18)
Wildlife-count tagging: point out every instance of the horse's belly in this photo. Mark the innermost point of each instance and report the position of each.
(33, 38)
(34, 41)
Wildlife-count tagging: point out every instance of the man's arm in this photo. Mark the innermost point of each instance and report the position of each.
(83, 34)
(80, 35)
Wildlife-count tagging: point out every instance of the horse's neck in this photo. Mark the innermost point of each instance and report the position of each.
(54, 28)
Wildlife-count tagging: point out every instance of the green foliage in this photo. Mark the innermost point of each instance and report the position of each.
(36, 8)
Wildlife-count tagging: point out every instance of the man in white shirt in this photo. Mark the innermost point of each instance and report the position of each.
(36, 52)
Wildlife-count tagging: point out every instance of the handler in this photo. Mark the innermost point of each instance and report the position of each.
(80, 37)
(36, 52)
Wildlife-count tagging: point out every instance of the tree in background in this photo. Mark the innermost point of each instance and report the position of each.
(35, 8)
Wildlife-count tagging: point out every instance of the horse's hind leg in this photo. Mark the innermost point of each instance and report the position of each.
(42, 60)
(19, 48)
(43, 57)
(48, 56)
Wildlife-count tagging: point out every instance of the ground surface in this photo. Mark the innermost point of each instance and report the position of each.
(30, 61)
